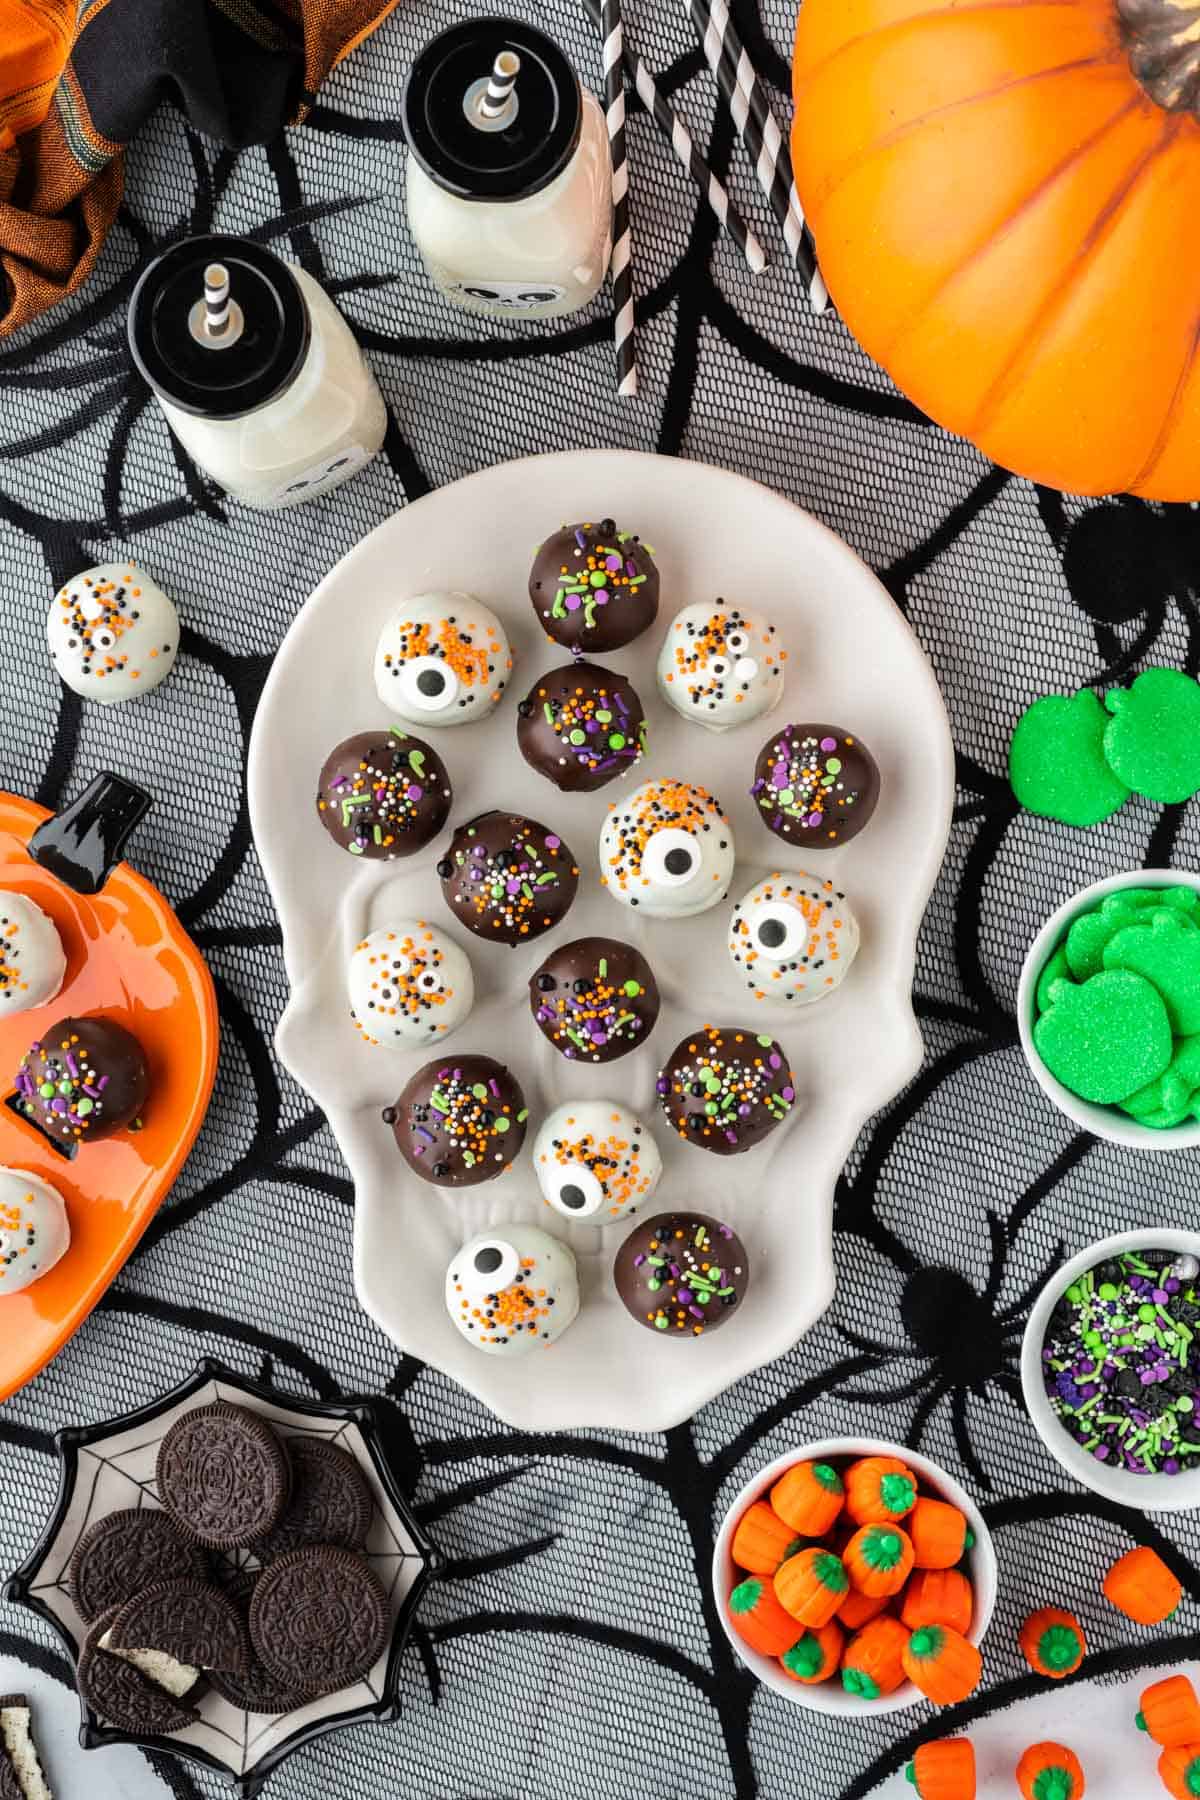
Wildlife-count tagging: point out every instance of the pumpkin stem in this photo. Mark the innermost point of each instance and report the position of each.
(804, 1657)
(1162, 41)
(1054, 1784)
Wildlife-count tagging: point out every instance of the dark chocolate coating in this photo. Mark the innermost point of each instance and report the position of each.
(460, 1120)
(593, 587)
(594, 999)
(726, 1087)
(383, 794)
(805, 801)
(581, 727)
(507, 878)
(83, 1079)
(682, 1274)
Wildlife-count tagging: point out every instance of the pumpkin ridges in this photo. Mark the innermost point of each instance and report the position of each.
(1190, 370)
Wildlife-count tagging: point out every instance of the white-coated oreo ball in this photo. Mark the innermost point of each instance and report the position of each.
(34, 1230)
(409, 985)
(667, 850)
(442, 659)
(32, 960)
(112, 632)
(511, 1289)
(595, 1161)
(793, 938)
(720, 665)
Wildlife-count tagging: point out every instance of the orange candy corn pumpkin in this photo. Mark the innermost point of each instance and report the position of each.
(944, 1664)
(856, 1609)
(815, 1656)
(879, 1489)
(1140, 1585)
(758, 1618)
(1052, 1642)
(1170, 1712)
(938, 1597)
(938, 1532)
(872, 1663)
(879, 1559)
(811, 1585)
(808, 1497)
(944, 1771)
(761, 1540)
(1050, 1772)
(1179, 1771)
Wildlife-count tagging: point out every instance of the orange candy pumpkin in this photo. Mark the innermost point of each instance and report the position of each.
(1140, 1585)
(808, 1497)
(758, 1618)
(879, 1559)
(815, 1655)
(761, 1540)
(1170, 1712)
(1179, 1771)
(1050, 1772)
(938, 1597)
(1004, 201)
(938, 1532)
(944, 1664)
(857, 1608)
(879, 1489)
(1052, 1642)
(873, 1662)
(944, 1771)
(811, 1585)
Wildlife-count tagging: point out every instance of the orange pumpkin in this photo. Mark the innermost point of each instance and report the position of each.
(1052, 1642)
(944, 1771)
(1179, 1771)
(944, 1664)
(938, 1597)
(879, 1488)
(811, 1585)
(938, 1532)
(857, 1608)
(1004, 199)
(1050, 1772)
(1140, 1585)
(761, 1540)
(815, 1656)
(1170, 1712)
(879, 1559)
(809, 1497)
(873, 1662)
(758, 1618)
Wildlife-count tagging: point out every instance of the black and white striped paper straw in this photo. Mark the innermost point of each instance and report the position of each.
(756, 125)
(216, 299)
(682, 143)
(505, 70)
(621, 266)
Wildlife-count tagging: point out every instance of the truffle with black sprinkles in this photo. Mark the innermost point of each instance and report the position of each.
(409, 984)
(83, 1080)
(581, 727)
(793, 938)
(815, 785)
(667, 849)
(508, 878)
(112, 633)
(383, 794)
(682, 1274)
(594, 999)
(720, 665)
(725, 1088)
(512, 1289)
(459, 1121)
(32, 959)
(594, 587)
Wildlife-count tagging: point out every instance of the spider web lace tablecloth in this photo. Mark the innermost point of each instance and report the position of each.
(572, 1651)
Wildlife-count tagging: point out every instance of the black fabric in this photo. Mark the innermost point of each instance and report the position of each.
(573, 1652)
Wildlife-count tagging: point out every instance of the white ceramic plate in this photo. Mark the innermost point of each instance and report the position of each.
(852, 662)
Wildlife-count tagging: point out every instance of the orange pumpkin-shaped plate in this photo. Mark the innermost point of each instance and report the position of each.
(129, 959)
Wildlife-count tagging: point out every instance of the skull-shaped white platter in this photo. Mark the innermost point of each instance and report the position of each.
(852, 661)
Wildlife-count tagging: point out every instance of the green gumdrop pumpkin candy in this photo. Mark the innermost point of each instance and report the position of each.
(1056, 761)
(1170, 1099)
(1057, 969)
(1166, 951)
(1152, 742)
(1092, 931)
(1105, 1038)
(1186, 899)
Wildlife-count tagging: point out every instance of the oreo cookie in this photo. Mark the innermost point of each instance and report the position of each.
(120, 1693)
(256, 1690)
(330, 1503)
(223, 1476)
(190, 1621)
(319, 1618)
(125, 1552)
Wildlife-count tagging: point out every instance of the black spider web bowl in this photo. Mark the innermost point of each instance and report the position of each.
(105, 1468)
(830, 1696)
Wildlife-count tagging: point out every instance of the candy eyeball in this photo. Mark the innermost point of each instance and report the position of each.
(793, 938)
(511, 1289)
(112, 633)
(409, 984)
(667, 850)
(720, 666)
(442, 659)
(595, 1161)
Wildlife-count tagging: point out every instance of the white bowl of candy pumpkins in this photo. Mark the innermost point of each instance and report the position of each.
(855, 1576)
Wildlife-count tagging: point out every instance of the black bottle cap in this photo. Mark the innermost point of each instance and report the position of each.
(225, 380)
(492, 165)
(83, 843)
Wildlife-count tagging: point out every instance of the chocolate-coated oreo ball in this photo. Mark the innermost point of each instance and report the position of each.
(726, 1088)
(508, 878)
(682, 1274)
(594, 587)
(816, 785)
(383, 794)
(83, 1080)
(581, 726)
(459, 1121)
(594, 999)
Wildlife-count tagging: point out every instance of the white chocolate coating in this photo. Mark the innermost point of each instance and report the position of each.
(667, 850)
(32, 961)
(720, 666)
(511, 1289)
(595, 1161)
(442, 659)
(409, 985)
(113, 633)
(34, 1232)
(793, 938)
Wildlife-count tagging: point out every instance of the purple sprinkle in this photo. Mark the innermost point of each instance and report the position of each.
(685, 1296)
(573, 602)
(1101, 1453)
(580, 539)
(661, 1086)
(744, 1110)
(828, 743)
(72, 1065)
(494, 1087)
(732, 1136)
(414, 792)
(639, 1259)
(789, 1094)
(695, 1312)
(552, 842)
(775, 1061)
(427, 1135)
(613, 563)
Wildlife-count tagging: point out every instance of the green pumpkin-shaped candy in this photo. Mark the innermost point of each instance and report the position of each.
(1105, 1038)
